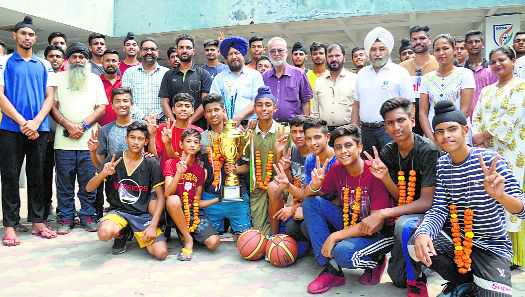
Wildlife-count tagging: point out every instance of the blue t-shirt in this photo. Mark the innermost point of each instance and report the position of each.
(213, 71)
(25, 84)
(309, 165)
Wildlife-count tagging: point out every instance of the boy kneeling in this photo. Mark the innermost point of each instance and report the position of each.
(134, 187)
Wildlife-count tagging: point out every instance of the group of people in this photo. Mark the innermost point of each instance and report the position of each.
(422, 160)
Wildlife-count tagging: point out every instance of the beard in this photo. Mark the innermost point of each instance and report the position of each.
(110, 70)
(335, 66)
(378, 63)
(420, 49)
(149, 59)
(276, 63)
(77, 76)
(235, 66)
(185, 58)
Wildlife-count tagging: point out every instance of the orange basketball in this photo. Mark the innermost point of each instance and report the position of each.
(251, 244)
(281, 250)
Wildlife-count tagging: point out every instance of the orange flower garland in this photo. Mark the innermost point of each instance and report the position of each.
(214, 157)
(187, 216)
(263, 185)
(463, 251)
(406, 196)
(356, 206)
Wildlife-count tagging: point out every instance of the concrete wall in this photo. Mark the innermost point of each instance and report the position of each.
(89, 15)
(143, 17)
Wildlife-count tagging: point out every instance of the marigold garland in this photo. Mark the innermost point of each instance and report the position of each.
(215, 159)
(263, 185)
(187, 216)
(356, 206)
(406, 196)
(462, 251)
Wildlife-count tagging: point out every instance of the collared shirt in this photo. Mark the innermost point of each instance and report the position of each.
(373, 88)
(194, 82)
(333, 99)
(25, 84)
(292, 91)
(145, 89)
(123, 67)
(213, 71)
(312, 77)
(273, 129)
(110, 115)
(483, 77)
(238, 88)
(76, 106)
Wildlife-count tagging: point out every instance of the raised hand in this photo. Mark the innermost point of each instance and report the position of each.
(109, 167)
(93, 141)
(167, 132)
(286, 160)
(280, 175)
(318, 173)
(220, 36)
(181, 165)
(493, 183)
(281, 140)
(377, 168)
(151, 121)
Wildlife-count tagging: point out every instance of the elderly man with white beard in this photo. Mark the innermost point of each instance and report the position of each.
(376, 83)
(79, 103)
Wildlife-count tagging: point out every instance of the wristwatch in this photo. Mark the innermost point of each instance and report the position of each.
(85, 125)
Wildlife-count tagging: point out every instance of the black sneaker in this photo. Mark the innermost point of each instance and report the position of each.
(89, 224)
(119, 243)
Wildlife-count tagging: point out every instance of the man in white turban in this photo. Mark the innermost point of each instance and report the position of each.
(376, 83)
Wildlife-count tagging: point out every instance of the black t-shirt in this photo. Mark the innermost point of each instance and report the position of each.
(422, 159)
(132, 193)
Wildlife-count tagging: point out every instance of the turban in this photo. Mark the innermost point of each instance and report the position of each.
(26, 23)
(237, 42)
(446, 111)
(298, 46)
(381, 34)
(265, 92)
(130, 36)
(78, 47)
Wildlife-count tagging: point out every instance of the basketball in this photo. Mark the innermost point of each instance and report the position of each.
(251, 244)
(281, 250)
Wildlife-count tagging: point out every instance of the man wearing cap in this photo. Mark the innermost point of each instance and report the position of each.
(80, 102)
(144, 81)
(288, 83)
(213, 66)
(187, 78)
(405, 50)
(256, 49)
(26, 97)
(238, 84)
(299, 55)
(131, 51)
(376, 83)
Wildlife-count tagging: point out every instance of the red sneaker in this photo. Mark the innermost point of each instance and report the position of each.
(372, 277)
(417, 288)
(324, 282)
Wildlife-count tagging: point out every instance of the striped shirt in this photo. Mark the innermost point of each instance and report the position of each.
(145, 88)
(463, 185)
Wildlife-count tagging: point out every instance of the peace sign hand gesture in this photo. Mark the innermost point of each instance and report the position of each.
(109, 167)
(181, 165)
(151, 121)
(493, 183)
(378, 168)
(167, 131)
(286, 160)
(281, 140)
(93, 141)
(318, 173)
(280, 176)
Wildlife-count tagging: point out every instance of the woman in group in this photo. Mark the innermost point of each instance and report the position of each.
(499, 124)
(448, 82)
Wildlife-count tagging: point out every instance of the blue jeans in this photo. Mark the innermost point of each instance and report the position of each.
(70, 166)
(321, 217)
(238, 213)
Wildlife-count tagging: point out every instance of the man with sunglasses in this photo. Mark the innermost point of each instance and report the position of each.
(288, 83)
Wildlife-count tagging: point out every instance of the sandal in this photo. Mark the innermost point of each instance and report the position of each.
(185, 254)
(10, 241)
(44, 233)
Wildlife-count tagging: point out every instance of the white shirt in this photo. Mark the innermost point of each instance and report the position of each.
(374, 88)
(519, 67)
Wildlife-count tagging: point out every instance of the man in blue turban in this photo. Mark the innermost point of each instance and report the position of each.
(237, 42)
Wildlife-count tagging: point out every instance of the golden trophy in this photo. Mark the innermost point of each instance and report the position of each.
(232, 142)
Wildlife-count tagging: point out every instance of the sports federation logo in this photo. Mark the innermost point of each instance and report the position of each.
(502, 34)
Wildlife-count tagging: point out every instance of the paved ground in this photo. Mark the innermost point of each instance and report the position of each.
(79, 265)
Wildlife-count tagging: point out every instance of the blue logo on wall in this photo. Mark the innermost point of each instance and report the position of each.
(502, 34)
